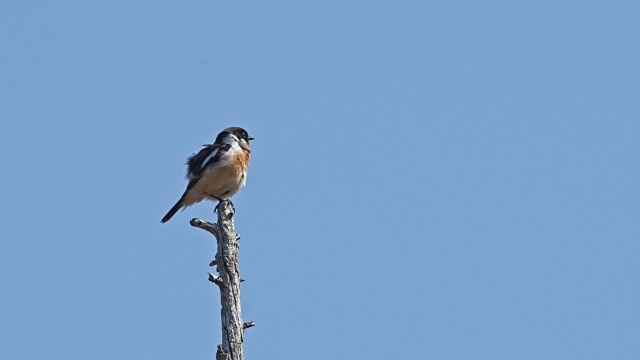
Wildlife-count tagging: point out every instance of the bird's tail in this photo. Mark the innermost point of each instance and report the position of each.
(173, 210)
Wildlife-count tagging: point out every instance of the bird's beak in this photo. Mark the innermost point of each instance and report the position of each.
(250, 138)
(244, 145)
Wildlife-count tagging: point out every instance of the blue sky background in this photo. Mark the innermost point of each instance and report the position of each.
(430, 180)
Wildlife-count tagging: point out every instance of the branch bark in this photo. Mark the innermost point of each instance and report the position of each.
(226, 261)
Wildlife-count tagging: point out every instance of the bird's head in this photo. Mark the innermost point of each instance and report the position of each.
(234, 135)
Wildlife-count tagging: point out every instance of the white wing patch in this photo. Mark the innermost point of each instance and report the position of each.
(213, 153)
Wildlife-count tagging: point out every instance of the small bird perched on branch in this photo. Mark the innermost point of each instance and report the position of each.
(218, 171)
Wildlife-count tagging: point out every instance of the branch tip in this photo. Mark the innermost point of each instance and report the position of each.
(248, 325)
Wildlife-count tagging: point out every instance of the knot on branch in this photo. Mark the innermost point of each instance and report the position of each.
(221, 354)
(216, 279)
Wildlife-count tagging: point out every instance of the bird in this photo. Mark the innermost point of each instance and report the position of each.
(216, 172)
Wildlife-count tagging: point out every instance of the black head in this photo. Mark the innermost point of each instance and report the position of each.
(238, 132)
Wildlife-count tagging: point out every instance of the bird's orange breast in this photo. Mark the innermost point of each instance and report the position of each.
(224, 181)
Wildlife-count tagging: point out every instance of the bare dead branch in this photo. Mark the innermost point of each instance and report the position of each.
(227, 266)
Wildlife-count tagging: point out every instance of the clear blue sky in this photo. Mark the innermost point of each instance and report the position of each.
(430, 180)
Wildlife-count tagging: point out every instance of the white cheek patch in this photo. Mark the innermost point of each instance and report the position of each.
(230, 139)
(213, 153)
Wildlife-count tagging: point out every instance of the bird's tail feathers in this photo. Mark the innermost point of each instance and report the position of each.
(173, 210)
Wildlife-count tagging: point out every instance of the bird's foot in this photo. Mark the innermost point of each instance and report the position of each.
(233, 208)
(215, 210)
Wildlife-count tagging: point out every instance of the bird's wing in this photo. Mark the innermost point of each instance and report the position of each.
(196, 163)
